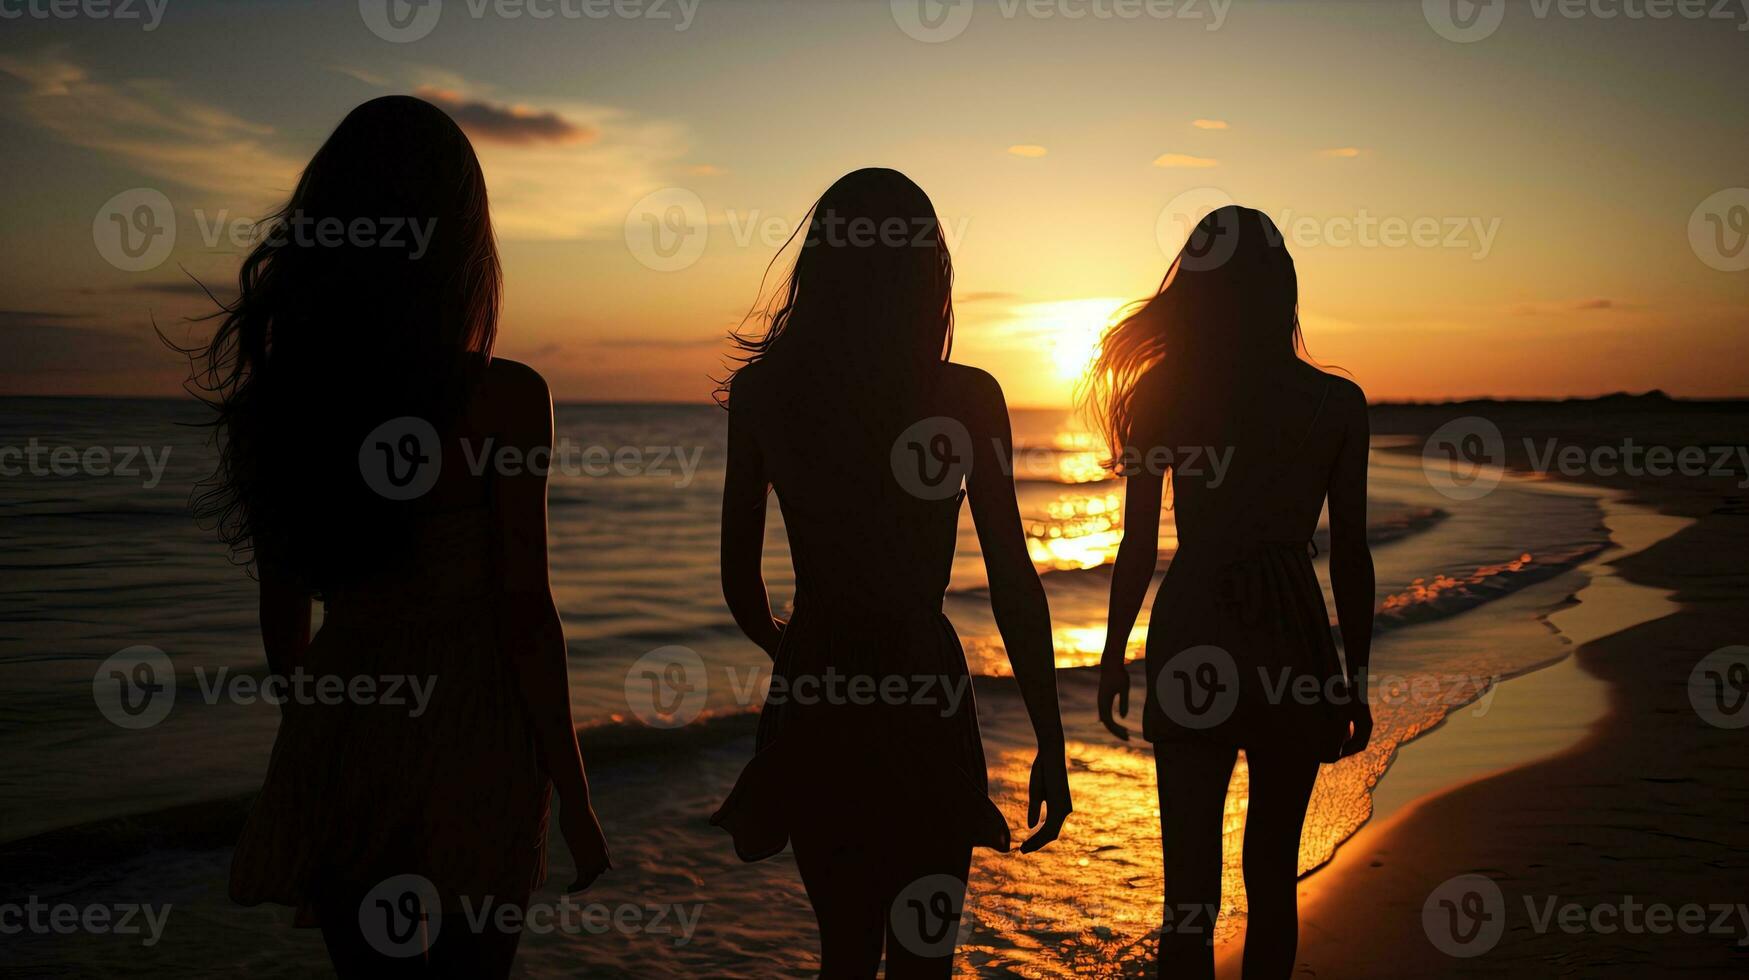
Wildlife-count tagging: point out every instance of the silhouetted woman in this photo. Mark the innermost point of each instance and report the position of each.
(1239, 650)
(869, 762)
(352, 379)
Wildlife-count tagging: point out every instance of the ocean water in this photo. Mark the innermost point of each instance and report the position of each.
(98, 561)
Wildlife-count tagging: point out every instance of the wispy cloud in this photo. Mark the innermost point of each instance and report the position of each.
(567, 189)
(1591, 305)
(1209, 123)
(1027, 150)
(1185, 160)
(1342, 152)
(517, 125)
(705, 170)
(149, 126)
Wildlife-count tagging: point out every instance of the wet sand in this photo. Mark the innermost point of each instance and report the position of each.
(1647, 808)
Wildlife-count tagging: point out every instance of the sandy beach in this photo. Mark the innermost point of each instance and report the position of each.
(1634, 837)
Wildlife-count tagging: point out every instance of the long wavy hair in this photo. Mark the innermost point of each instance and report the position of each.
(372, 294)
(867, 307)
(1229, 302)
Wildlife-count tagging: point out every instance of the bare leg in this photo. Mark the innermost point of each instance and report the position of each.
(845, 889)
(1281, 786)
(1193, 781)
(946, 866)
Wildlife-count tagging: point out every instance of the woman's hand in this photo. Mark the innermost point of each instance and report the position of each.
(1360, 716)
(1049, 790)
(1114, 685)
(582, 833)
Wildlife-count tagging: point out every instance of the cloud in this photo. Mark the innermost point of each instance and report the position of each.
(1209, 123)
(1027, 150)
(360, 74)
(984, 297)
(513, 124)
(705, 170)
(1341, 152)
(545, 190)
(1593, 305)
(147, 125)
(1185, 160)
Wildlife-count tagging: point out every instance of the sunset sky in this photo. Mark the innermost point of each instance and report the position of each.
(1560, 159)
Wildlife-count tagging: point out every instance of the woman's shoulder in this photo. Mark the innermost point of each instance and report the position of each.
(513, 395)
(1344, 394)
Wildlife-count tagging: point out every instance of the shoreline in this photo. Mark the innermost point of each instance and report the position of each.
(1644, 806)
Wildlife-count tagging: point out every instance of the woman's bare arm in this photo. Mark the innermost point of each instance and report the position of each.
(1131, 574)
(743, 542)
(284, 611)
(1017, 598)
(529, 631)
(1351, 569)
